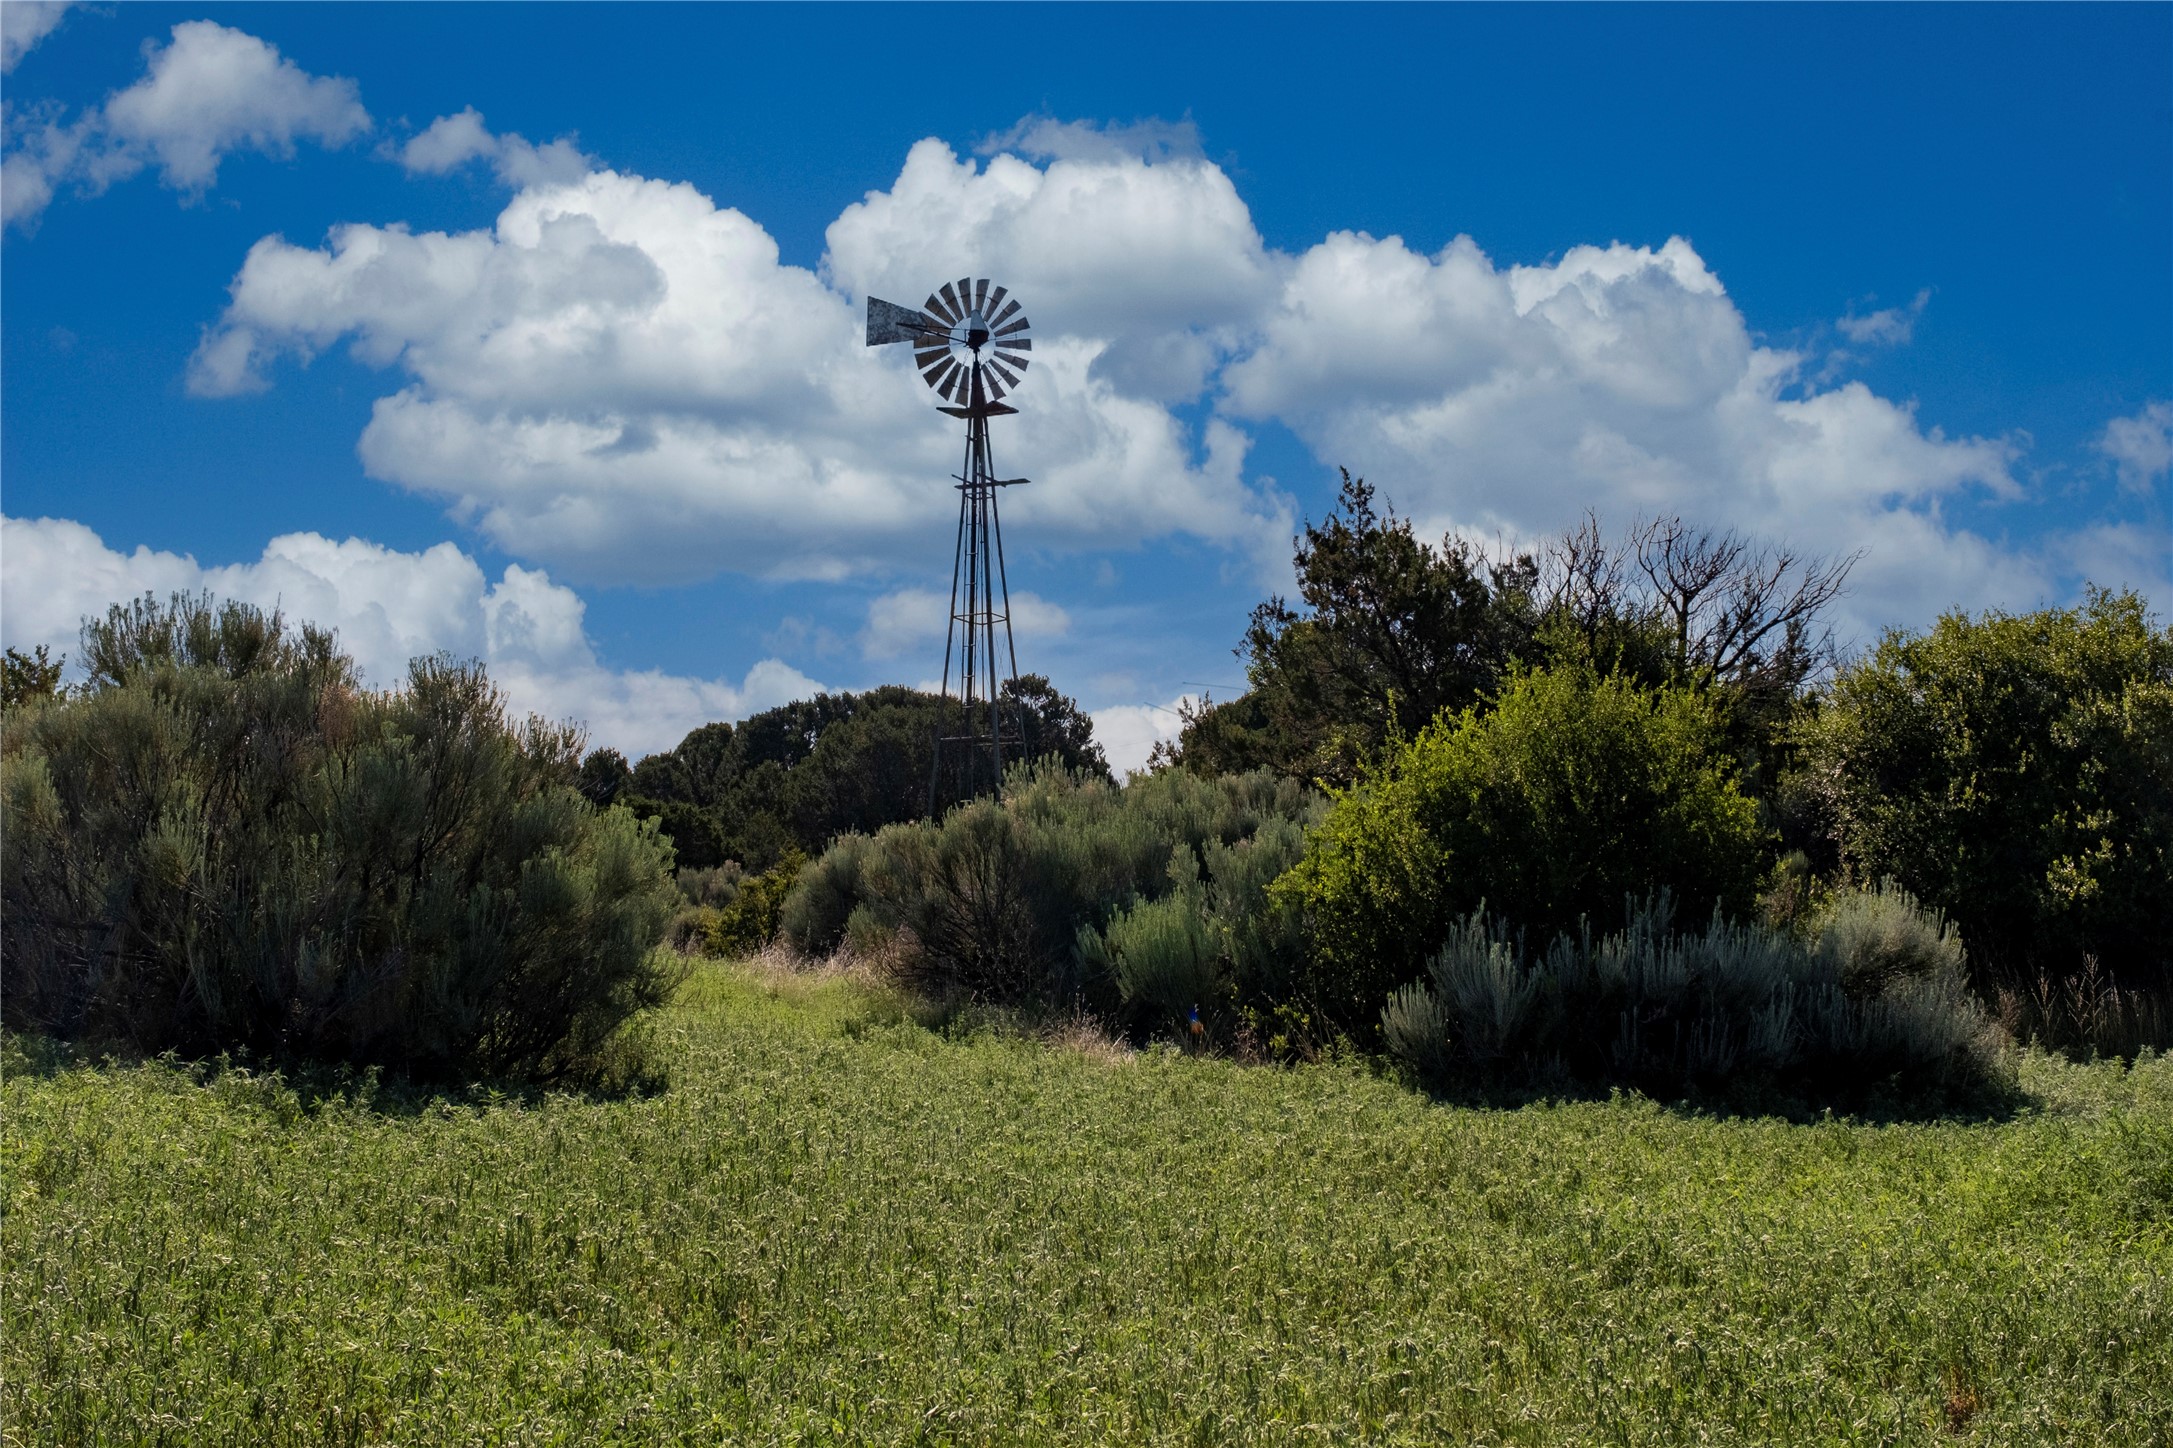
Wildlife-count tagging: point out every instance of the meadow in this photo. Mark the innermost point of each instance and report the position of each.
(833, 1223)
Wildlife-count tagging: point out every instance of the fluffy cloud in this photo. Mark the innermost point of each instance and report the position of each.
(911, 618)
(1155, 262)
(388, 607)
(23, 23)
(209, 93)
(451, 142)
(1504, 401)
(2141, 447)
(621, 377)
(1128, 733)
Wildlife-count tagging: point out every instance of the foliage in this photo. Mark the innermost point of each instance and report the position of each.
(837, 1226)
(1875, 1004)
(1394, 631)
(798, 776)
(991, 900)
(748, 921)
(2016, 771)
(222, 843)
(27, 677)
(1572, 793)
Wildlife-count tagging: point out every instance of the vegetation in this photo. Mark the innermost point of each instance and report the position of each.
(839, 1226)
(1570, 795)
(797, 776)
(1395, 632)
(2018, 772)
(220, 842)
(1002, 899)
(1872, 1008)
(25, 678)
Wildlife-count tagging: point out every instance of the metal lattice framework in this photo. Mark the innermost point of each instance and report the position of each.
(970, 341)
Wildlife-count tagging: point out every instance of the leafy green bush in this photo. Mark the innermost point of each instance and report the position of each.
(2016, 771)
(221, 842)
(749, 920)
(1573, 792)
(991, 900)
(1853, 1012)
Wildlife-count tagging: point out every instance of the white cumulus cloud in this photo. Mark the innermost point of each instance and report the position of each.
(1504, 401)
(1128, 733)
(451, 142)
(622, 379)
(2141, 447)
(388, 607)
(210, 92)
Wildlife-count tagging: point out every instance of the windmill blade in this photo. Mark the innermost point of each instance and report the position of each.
(950, 388)
(995, 300)
(926, 356)
(1017, 344)
(945, 312)
(965, 295)
(958, 308)
(1001, 317)
(980, 296)
(1001, 371)
(933, 373)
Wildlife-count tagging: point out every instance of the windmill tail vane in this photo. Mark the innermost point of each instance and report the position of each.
(971, 344)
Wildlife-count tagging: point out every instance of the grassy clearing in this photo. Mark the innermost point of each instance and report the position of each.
(836, 1226)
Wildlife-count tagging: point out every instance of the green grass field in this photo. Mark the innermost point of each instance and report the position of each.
(835, 1226)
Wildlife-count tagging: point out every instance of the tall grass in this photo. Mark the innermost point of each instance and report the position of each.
(837, 1226)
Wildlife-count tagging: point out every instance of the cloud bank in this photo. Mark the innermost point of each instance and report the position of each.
(387, 607)
(622, 380)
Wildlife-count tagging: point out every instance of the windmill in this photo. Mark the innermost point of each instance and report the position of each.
(970, 343)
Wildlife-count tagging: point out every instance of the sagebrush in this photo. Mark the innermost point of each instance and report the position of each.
(1874, 1004)
(222, 843)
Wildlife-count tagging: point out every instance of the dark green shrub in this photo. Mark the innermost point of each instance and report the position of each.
(802, 774)
(2016, 771)
(1570, 794)
(222, 843)
(1839, 1018)
(1216, 942)
(25, 678)
(991, 900)
(749, 921)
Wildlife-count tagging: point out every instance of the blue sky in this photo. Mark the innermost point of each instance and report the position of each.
(530, 332)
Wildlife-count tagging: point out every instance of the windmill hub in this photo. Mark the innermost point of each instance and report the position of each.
(949, 333)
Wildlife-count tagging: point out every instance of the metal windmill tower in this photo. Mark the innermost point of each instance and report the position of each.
(970, 343)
